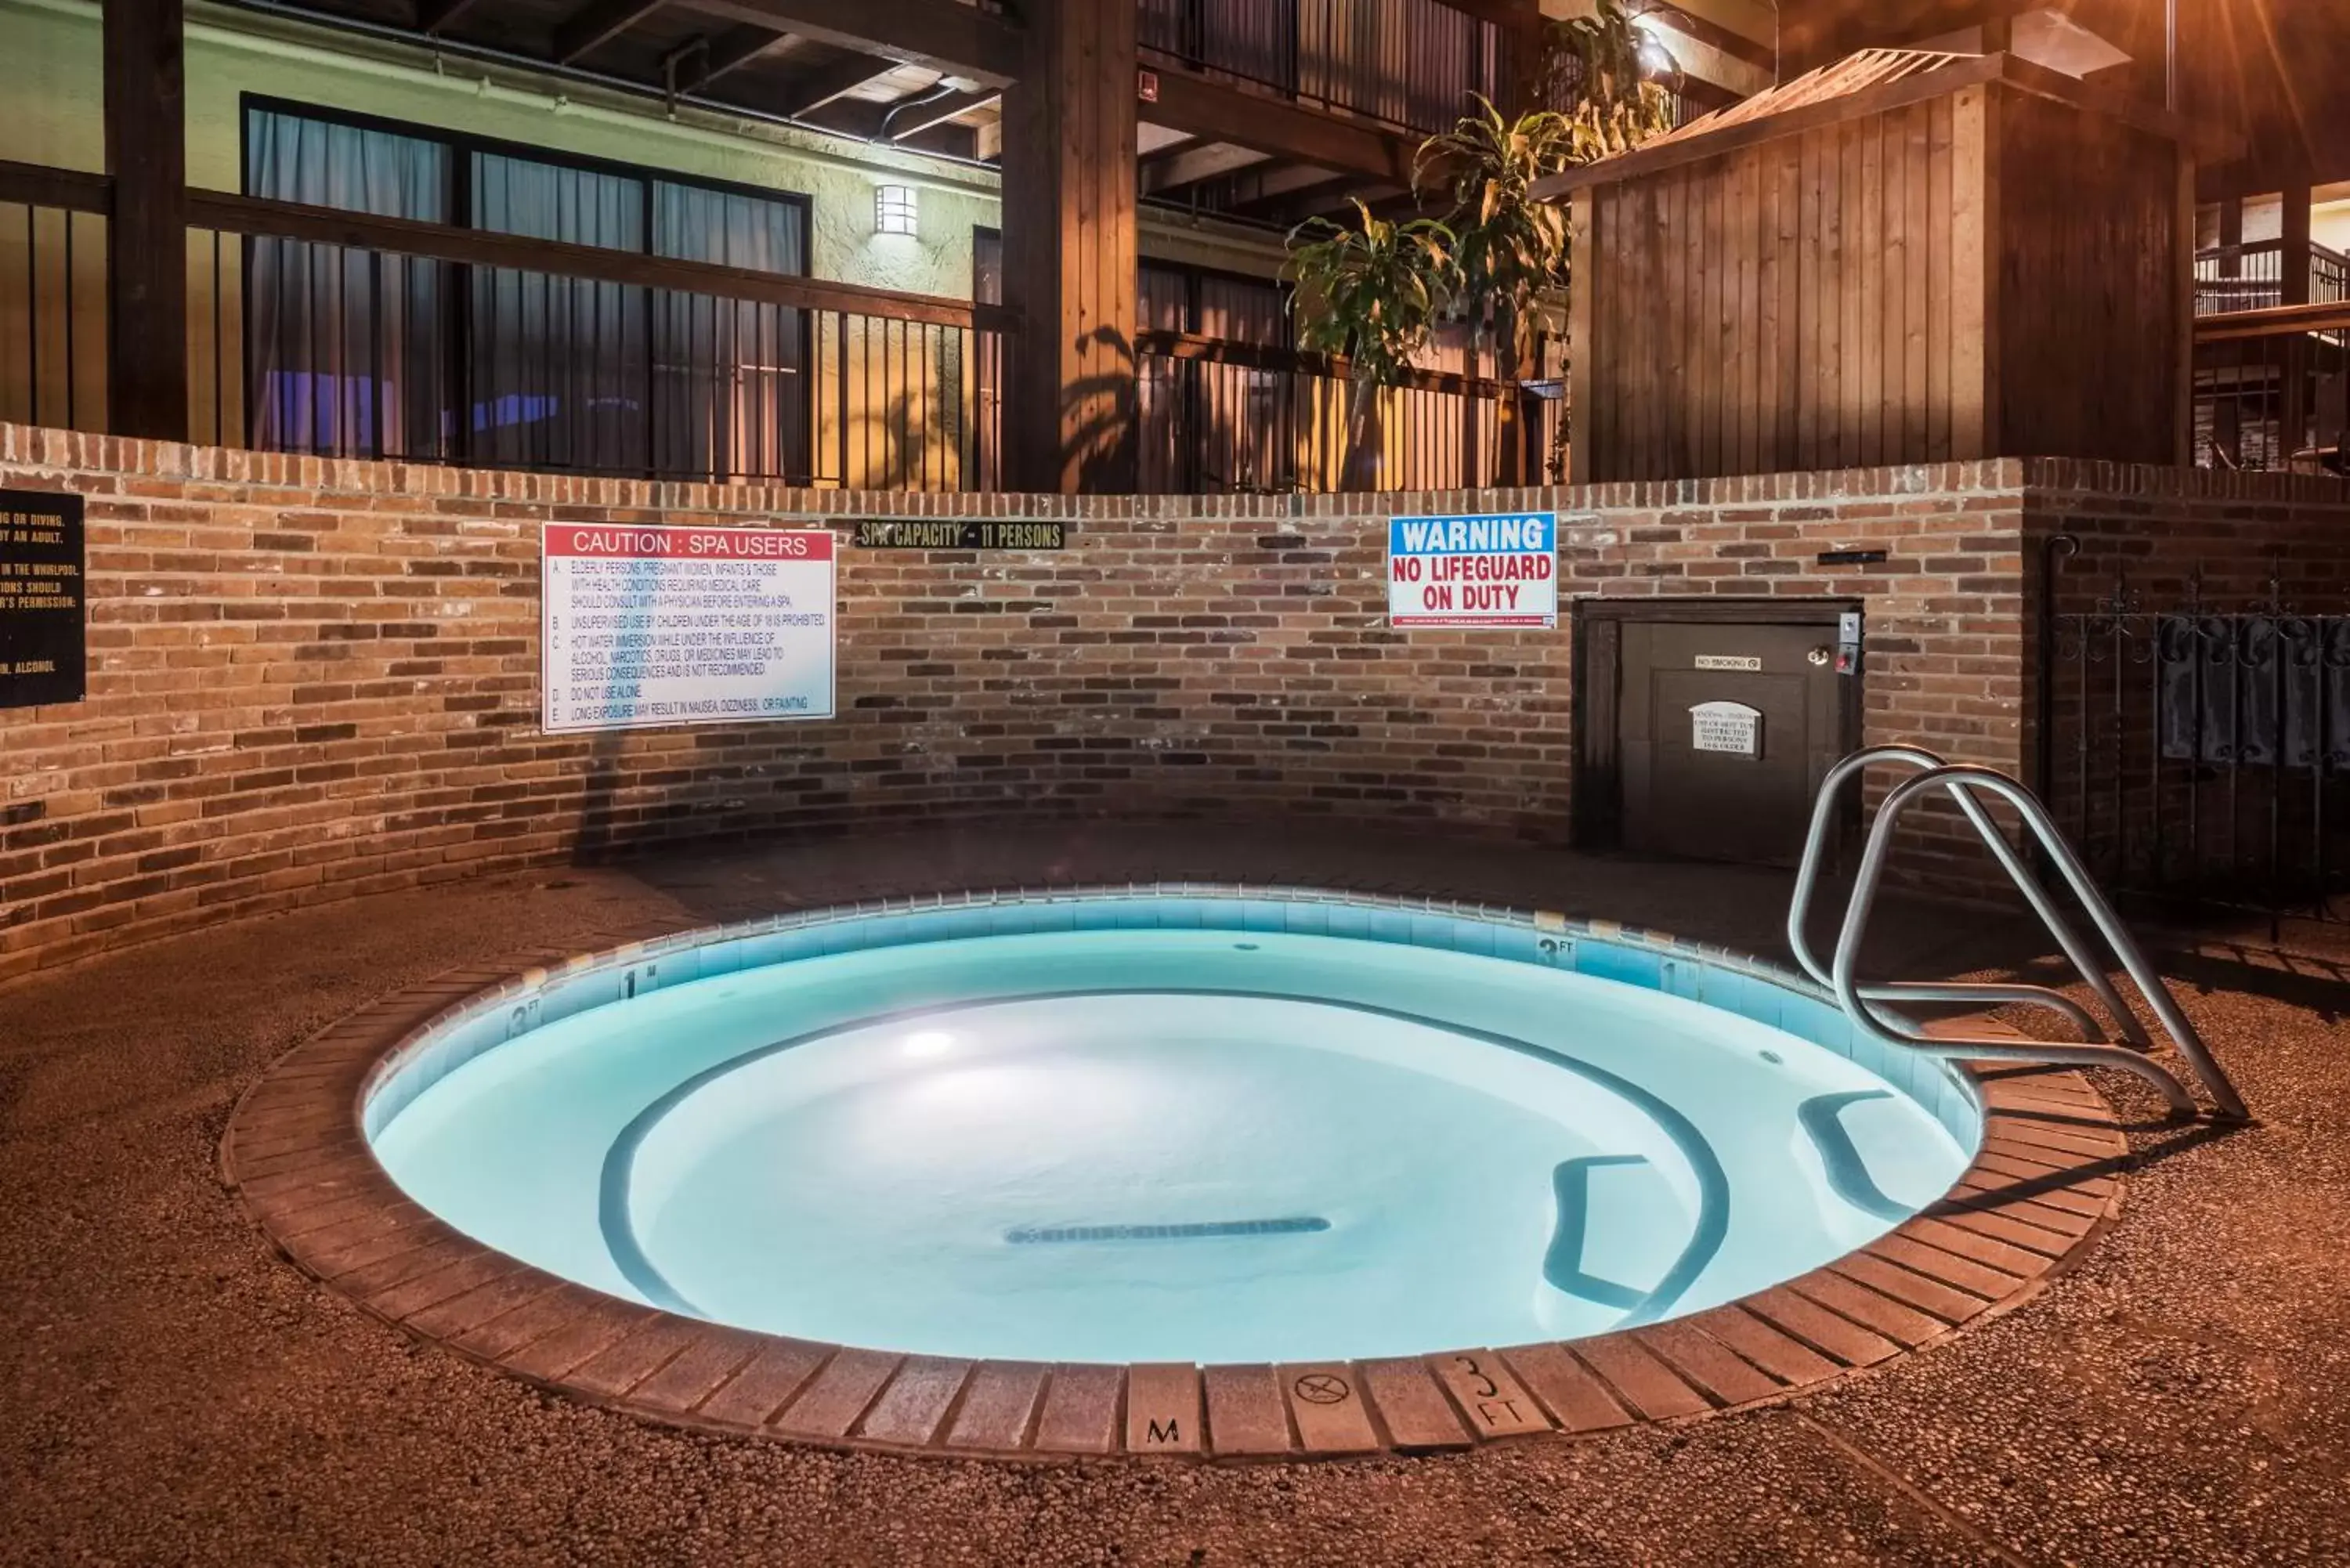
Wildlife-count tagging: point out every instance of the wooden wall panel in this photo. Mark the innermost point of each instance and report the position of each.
(2088, 315)
(1070, 250)
(1873, 291)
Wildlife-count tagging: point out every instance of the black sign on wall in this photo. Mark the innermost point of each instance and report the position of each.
(44, 611)
(960, 534)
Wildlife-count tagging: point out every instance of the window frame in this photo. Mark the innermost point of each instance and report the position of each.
(460, 147)
(462, 144)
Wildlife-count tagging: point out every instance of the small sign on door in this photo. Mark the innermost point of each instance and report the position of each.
(1728, 729)
(1730, 662)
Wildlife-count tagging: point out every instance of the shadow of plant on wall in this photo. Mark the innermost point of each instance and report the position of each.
(1099, 418)
(1373, 291)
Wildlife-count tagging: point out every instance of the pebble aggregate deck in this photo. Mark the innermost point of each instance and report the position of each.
(2179, 1393)
(2041, 1188)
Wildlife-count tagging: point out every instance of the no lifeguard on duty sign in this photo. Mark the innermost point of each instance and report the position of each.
(1498, 570)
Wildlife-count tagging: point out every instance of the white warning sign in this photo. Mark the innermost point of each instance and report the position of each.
(644, 627)
(1493, 571)
(1732, 729)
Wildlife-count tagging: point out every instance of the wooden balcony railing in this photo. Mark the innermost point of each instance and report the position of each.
(340, 334)
(2252, 277)
(1221, 417)
(2273, 389)
(1408, 64)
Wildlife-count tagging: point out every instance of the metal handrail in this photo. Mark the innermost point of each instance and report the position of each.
(1962, 780)
(2077, 951)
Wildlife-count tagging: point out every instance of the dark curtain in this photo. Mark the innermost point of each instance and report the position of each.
(559, 371)
(1242, 310)
(346, 351)
(1256, 39)
(1207, 425)
(354, 353)
(730, 386)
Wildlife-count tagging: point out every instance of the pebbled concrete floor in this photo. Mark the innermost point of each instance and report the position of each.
(170, 1392)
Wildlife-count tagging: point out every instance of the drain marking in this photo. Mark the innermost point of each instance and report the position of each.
(1027, 1235)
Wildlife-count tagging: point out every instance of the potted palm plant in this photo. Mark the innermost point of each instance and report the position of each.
(1377, 293)
(1511, 248)
(1371, 293)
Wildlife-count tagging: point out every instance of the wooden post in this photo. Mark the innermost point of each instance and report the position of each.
(1070, 249)
(147, 235)
(2183, 264)
(2292, 257)
(2292, 275)
(1582, 337)
(1517, 416)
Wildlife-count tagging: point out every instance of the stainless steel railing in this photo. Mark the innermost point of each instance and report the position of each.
(1966, 784)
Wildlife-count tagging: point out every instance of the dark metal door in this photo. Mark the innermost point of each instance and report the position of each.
(1727, 729)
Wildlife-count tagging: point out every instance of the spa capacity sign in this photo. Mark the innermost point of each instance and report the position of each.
(647, 627)
(1499, 570)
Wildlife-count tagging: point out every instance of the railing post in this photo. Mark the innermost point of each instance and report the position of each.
(147, 231)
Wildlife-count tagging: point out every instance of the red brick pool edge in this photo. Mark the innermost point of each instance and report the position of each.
(2045, 1184)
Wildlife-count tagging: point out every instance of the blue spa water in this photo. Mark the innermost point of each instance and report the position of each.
(1168, 1144)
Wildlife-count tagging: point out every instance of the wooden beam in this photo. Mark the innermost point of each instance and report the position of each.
(828, 84)
(439, 15)
(2273, 321)
(731, 51)
(1211, 108)
(483, 247)
(596, 23)
(1271, 188)
(145, 111)
(949, 140)
(1311, 198)
(959, 40)
(38, 185)
(1714, 35)
(1194, 161)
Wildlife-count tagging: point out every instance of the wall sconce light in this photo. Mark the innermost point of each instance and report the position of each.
(1655, 58)
(895, 210)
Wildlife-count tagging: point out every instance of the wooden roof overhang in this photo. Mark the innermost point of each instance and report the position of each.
(1872, 82)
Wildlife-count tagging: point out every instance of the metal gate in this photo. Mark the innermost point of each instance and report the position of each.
(2200, 753)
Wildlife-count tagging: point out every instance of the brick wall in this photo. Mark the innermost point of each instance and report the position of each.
(315, 680)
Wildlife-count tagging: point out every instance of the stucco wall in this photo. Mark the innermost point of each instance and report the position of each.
(53, 118)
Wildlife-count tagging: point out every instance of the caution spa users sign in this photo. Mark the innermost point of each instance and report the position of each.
(1498, 570)
(646, 626)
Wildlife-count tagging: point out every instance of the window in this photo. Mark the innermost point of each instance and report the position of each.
(987, 266)
(355, 353)
(1175, 297)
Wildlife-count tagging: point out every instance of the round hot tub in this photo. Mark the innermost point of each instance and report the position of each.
(1171, 1125)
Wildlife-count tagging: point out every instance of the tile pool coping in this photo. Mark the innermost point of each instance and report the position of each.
(2043, 1185)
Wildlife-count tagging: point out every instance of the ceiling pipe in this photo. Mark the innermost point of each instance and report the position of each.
(942, 90)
